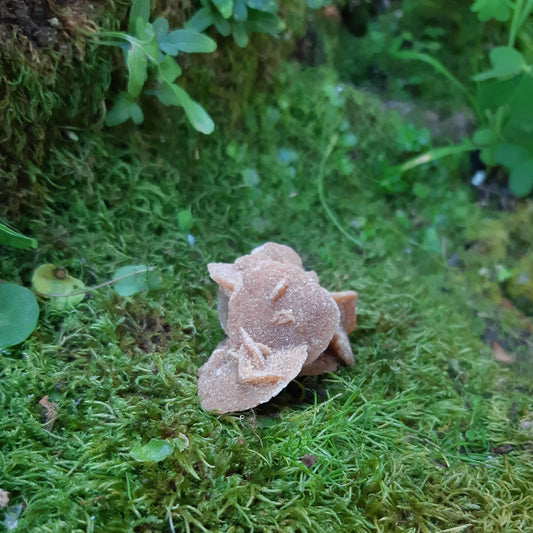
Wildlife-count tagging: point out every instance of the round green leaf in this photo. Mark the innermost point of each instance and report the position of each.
(185, 220)
(506, 61)
(487, 9)
(521, 178)
(156, 450)
(510, 155)
(482, 137)
(140, 278)
(18, 314)
(51, 280)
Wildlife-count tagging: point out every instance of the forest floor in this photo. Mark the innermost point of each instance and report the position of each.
(431, 430)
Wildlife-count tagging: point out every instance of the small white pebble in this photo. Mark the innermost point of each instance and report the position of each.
(478, 178)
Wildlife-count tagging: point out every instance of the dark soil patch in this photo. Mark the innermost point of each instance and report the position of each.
(146, 332)
(31, 18)
(43, 23)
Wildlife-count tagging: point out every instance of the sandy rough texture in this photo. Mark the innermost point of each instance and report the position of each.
(280, 324)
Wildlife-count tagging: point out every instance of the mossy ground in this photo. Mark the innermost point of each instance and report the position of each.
(426, 433)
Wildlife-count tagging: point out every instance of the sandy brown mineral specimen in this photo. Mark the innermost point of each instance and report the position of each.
(280, 324)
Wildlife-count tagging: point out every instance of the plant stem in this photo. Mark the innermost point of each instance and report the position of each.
(441, 69)
(434, 155)
(320, 186)
(95, 287)
(525, 13)
(516, 22)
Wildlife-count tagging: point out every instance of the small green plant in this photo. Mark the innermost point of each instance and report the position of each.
(502, 103)
(149, 52)
(238, 18)
(19, 310)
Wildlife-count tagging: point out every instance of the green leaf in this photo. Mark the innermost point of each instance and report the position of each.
(221, 24)
(201, 20)
(123, 109)
(171, 94)
(510, 155)
(496, 93)
(506, 61)
(119, 113)
(160, 26)
(521, 103)
(240, 36)
(240, 12)
(482, 137)
(139, 278)
(18, 314)
(137, 64)
(225, 7)
(189, 41)
(139, 9)
(487, 156)
(169, 69)
(521, 178)
(50, 280)
(495, 9)
(156, 450)
(267, 6)
(264, 23)
(185, 220)
(13, 238)
(136, 113)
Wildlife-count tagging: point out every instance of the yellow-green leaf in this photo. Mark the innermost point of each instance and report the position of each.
(54, 282)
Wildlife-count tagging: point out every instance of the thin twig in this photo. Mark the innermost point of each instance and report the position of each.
(96, 287)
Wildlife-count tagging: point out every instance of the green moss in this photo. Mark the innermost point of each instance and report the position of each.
(409, 439)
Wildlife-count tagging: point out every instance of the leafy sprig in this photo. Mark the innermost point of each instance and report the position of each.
(149, 51)
(502, 101)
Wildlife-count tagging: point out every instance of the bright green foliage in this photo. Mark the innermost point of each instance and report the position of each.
(51, 280)
(502, 103)
(496, 9)
(124, 108)
(171, 94)
(506, 61)
(18, 314)
(11, 237)
(137, 278)
(149, 54)
(238, 18)
(156, 450)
